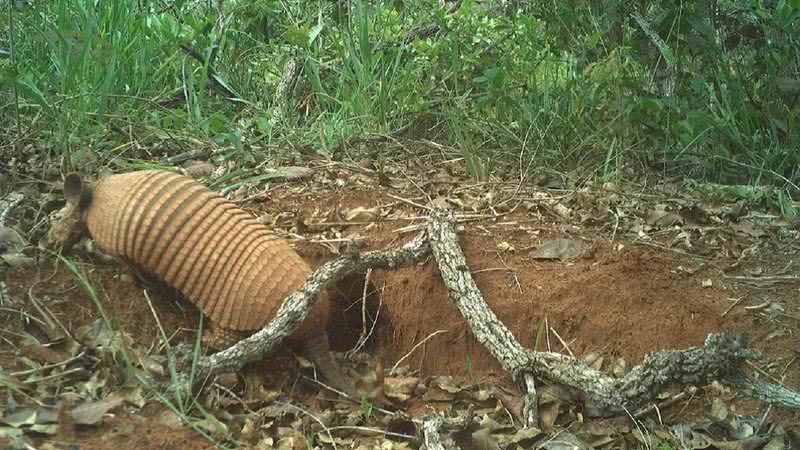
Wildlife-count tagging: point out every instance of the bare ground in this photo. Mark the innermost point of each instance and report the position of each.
(620, 299)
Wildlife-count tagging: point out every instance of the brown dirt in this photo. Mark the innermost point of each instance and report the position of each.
(621, 302)
(145, 430)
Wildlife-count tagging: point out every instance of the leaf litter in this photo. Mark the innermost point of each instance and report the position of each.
(79, 383)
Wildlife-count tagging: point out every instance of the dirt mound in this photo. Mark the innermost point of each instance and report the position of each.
(622, 303)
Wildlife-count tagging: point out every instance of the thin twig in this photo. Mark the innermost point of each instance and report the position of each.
(738, 300)
(410, 202)
(372, 430)
(566, 346)
(414, 348)
(48, 366)
(765, 373)
(316, 419)
(52, 322)
(55, 375)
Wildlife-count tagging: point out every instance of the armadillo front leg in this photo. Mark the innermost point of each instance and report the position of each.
(146, 279)
(318, 350)
(218, 338)
(316, 347)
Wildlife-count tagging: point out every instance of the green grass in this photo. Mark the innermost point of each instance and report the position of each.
(543, 88)
(179, 397)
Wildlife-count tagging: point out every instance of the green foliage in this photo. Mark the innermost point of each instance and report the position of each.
(469, 369)
(181, 400)
(366, 406)
(311, 438)
(710, 89)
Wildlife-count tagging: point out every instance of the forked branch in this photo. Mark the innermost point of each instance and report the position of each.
(719, 358)
(295, 307)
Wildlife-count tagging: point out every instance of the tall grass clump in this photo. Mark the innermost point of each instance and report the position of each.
(92, 74)
(179, 397)
(706, 90)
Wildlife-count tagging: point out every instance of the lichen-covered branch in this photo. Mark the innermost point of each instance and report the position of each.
(718, 359)
(463, 291)
(296, 306)
(766, 392)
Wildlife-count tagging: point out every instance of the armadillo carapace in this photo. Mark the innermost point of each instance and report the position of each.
(217, 255)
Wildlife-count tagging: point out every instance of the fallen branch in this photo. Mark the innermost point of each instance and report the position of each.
(718, 359)
(430, 430)
(774, 394)
(295, 307)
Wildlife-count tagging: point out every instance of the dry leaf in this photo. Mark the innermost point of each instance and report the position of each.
(505, 247)
(361, 214)
(751, 443)
(521, 439)
(694, 215)
(777, 443)
(565, 441)
(562, 211)
(91, 413)
(266, 443)
(42, 353)
(10, 433)
(559, 248)
(196, 169)
(400, 385)
(594, 360)
(661, 217)
(548, 413)
(293, 173)
(132, 395)
(749, 229)
(442, 388)
(619, 368)
(51, 428)
(719, 410)
(17, 260)
(10, 240)
(482, 440)
(20, 418)
(513, 403)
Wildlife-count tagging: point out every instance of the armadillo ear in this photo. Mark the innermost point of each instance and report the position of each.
(73, 188)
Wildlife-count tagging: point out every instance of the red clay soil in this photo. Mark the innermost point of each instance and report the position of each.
(619, 303)
(145, 430)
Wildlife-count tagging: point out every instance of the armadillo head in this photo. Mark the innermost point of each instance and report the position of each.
(69, 224)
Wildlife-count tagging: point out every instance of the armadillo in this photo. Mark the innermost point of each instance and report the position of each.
(234, 269)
